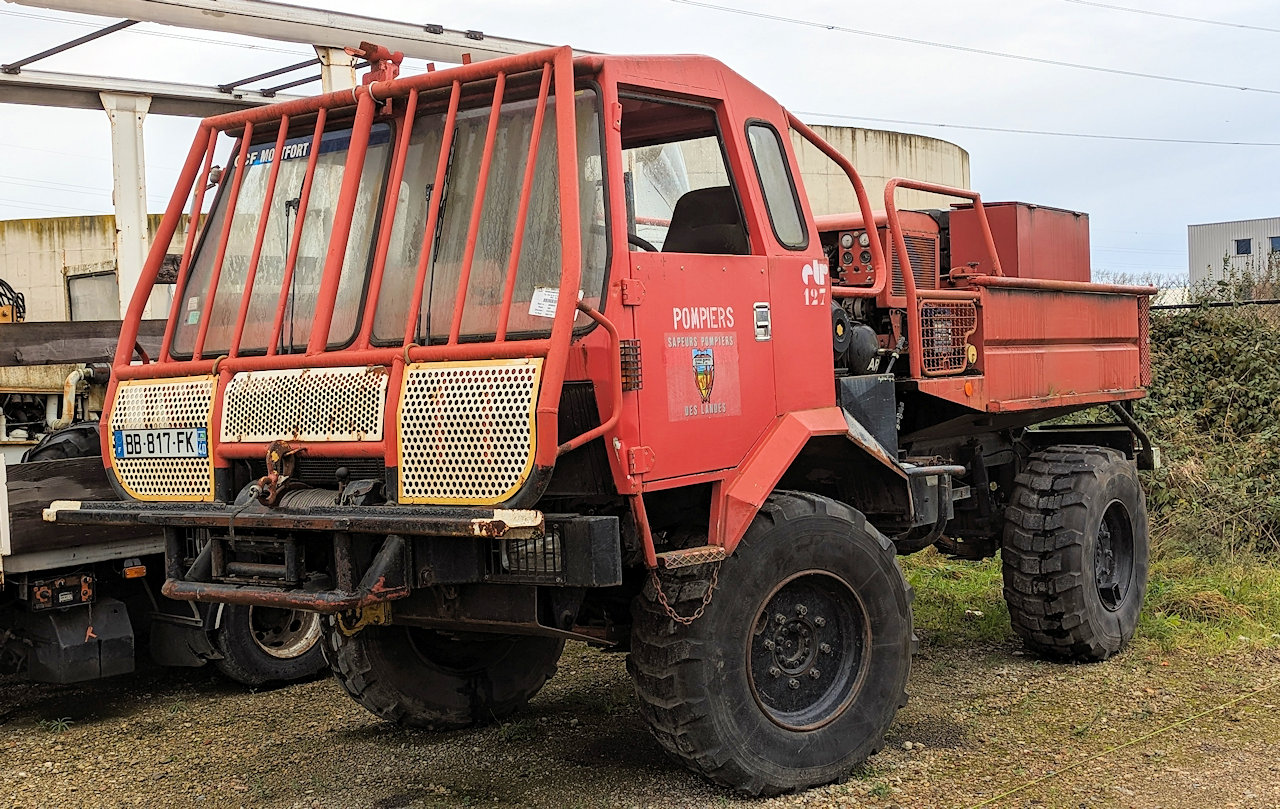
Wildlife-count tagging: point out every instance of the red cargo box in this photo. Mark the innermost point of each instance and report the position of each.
(1033, 241)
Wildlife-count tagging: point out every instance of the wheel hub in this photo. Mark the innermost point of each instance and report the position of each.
(1113, 557)
(806, 651)
(284, 634)
(793, 646)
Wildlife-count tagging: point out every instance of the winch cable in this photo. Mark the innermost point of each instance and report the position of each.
(1055, 773)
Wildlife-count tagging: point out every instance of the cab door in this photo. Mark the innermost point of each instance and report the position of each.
(703, 317)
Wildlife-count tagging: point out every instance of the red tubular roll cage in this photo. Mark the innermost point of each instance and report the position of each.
(554, 71)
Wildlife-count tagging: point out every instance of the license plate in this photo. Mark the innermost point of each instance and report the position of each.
(189, 442)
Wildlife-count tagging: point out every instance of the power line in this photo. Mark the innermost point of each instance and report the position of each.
(1045, 132)
(1168, 16)
(980, 51)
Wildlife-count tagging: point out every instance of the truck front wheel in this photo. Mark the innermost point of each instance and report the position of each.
(1075, 552)
(795, 669)
(439, 680)
(261, 645)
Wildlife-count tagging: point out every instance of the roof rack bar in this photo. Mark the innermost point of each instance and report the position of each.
(14, 68)
(270, 91)
(228, 87)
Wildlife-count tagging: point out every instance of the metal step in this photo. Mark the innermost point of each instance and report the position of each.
(687, 557)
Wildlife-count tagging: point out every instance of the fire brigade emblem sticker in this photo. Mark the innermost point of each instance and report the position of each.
(704, 372)
(702, 369)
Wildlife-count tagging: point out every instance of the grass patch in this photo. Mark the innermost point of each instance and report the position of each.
(1193, 605)
(957, 603)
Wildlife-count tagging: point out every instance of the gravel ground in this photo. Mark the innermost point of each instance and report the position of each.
(980, 722)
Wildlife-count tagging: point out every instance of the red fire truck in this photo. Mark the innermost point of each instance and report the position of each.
(548, 348)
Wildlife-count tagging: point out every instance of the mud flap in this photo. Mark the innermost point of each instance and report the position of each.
(75, 645)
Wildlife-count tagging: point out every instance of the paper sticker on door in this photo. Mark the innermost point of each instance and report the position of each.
(702, 375)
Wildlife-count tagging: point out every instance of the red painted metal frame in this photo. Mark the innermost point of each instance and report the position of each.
(878, 261)
(388, 222)
(556, 69)
(295, 239)
(254, 258)
(216, 275)
(914, 335)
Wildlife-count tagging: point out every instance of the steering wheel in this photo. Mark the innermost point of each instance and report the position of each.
(643, 244)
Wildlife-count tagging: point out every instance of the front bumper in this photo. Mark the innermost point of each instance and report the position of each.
(331, 559)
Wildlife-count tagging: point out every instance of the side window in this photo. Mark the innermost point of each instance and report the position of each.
(680, 198)
(775, 181)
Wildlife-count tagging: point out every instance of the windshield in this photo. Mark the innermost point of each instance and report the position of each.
(538, 268)
(299, 302)
(539, 262)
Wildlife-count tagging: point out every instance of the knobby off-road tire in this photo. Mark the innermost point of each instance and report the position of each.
(426, 679)
(77, 441)
(261, 645)
(1075, 552)
(734, 695)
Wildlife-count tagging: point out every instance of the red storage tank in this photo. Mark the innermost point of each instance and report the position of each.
(1033, 241)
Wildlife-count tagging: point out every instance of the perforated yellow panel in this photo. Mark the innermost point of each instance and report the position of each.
(313, 404)
(466, 430)
(157, 405)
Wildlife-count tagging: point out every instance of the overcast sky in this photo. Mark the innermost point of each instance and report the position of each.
(1140, 195)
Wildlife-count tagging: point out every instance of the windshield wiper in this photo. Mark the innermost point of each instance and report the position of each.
(291, 208)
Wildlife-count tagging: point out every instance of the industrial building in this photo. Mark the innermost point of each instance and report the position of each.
(1232, 250)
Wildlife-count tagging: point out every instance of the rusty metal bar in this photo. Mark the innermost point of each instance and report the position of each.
(615, 386)
(327, 296)
(1007, 282)
(255, 257)
(189, 244)
(425, 256)
(477, 208)
(295, 239)
(520, 349)
(255, 451)
(14, 68)
(570, 262)
(522, 210)
(206, 316)
(388, 221)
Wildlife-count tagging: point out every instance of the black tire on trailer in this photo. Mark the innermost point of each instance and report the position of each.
(261, 645)
(76, 441)
(423, 678)
(1075, 552)
(795, 670)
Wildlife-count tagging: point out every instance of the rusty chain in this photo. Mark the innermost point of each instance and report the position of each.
(706, 597)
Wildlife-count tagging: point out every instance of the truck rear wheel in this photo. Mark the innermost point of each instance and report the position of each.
(795, 670)
(261, 645)
(428, 679)
(1075, 552)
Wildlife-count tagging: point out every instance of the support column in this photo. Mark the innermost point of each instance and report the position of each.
(129, 189)
(337, 69)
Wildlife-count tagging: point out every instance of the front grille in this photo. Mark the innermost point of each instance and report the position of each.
(539, 560)
(172, 403)
(923, 252)
(323, 472)
(945, 327)
(466, 430)
(309, 404)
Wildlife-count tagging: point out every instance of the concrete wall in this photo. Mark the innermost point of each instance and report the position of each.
(37, 256)
(878, 156)
(1209, 246)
